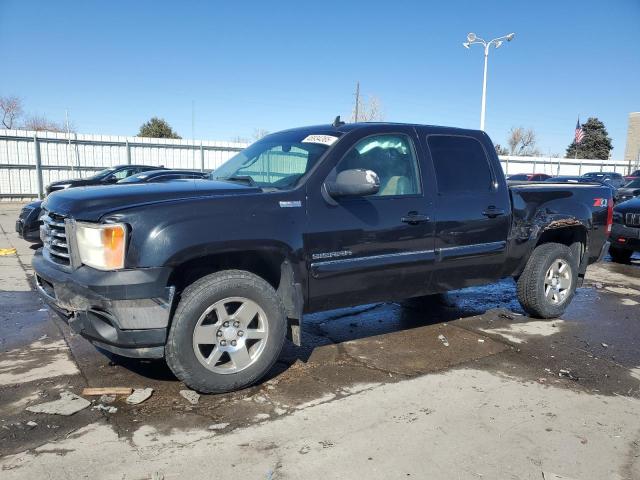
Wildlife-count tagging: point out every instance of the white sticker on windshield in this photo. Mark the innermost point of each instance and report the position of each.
(322, 139)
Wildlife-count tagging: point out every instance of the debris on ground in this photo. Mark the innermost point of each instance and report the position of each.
(90, 391)
(481, 340)
(68, 404)
(567, 373)
(553, 476)
(106, 399)
(31, 424)
(7, 251)
(444, 340)
(604, 345)
(105, 408)
(218, 426)
(139, 395)
(506, 316)
(192, 397)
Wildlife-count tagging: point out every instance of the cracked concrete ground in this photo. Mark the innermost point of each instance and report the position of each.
(374, 393)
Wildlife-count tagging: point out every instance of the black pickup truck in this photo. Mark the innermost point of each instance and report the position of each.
(213, 274)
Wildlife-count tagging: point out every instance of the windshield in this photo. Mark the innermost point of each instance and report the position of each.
(633, 183)
(598, 175)
(137, 178)
(102, 173)
(276, 161)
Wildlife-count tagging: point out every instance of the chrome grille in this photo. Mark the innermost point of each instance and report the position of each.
(632, 219)
(54, 238)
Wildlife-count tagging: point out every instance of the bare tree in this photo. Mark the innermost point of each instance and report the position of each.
(522, 142)
(239, 139)
(11, 109)
(42, 124)
(258, 133)
(368, 110)
(500, 150)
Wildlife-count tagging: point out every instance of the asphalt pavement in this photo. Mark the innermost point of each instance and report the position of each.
(460, 386)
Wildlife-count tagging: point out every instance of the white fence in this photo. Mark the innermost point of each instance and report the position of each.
(29, 160)
(561, 166)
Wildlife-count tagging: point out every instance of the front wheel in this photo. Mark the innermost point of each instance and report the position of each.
(548, 281)
(227, 332)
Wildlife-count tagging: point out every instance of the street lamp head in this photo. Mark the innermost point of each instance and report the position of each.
(471, 37)
(466, 45)
(498, 43)
(510, 37)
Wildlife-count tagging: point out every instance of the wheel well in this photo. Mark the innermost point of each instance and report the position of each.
(266, 265)
(271, 266)
(574, 237)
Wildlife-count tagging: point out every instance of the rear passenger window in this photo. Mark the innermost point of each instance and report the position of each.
(460, 163)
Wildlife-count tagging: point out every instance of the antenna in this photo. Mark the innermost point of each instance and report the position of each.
(337, 122)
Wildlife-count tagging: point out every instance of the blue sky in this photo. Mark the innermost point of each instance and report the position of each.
(274, 65)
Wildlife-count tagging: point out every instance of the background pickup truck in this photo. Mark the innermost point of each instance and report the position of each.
(213, 274)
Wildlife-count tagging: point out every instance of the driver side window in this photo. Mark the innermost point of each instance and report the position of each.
(391, 157)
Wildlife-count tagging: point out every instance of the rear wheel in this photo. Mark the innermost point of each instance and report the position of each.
(227, 332)
(548, 281)
(620, 255)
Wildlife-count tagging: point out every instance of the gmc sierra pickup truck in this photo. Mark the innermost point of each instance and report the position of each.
(214, 274)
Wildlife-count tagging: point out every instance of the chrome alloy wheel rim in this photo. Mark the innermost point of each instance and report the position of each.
(230, 335)
(557, 282)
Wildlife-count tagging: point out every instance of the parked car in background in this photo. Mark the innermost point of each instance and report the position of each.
(565, 179)
(28, 222)
(108, 176)
(212, 275)
(528, 177)
(164, 175)
(633, 175)
(629, 191)
(581, 179)
(625, 231)
(614, 179)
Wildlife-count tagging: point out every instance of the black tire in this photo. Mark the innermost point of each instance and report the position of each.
(620, 255)
(196, 299)
(531, 284)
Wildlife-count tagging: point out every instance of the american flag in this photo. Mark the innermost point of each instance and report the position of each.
(579, 132)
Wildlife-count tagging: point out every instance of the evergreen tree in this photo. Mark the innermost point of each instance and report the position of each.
(596, 143)
(157, 128)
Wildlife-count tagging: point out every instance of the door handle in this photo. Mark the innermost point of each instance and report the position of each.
(493, 212)
(414, 218)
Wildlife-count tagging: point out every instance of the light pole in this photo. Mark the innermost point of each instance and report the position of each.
(472, 39)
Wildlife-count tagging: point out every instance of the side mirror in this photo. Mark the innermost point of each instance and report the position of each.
(110, 179)
(357, 182)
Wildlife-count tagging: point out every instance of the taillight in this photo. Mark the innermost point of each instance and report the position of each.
(609, 215)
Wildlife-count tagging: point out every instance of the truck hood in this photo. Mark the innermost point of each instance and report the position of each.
(630, 206)
(92, 203)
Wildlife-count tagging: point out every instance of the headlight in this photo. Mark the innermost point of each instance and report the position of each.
(102, 246)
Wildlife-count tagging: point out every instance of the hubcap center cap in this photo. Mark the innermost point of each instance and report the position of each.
(229, 333)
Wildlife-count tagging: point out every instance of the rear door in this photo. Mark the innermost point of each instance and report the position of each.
(472, 211)
(378, 247)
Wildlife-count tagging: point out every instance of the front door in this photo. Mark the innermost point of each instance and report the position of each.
(378, 247)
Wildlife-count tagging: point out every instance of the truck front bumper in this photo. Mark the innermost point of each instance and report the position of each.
(126, 312)
(624, 237)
